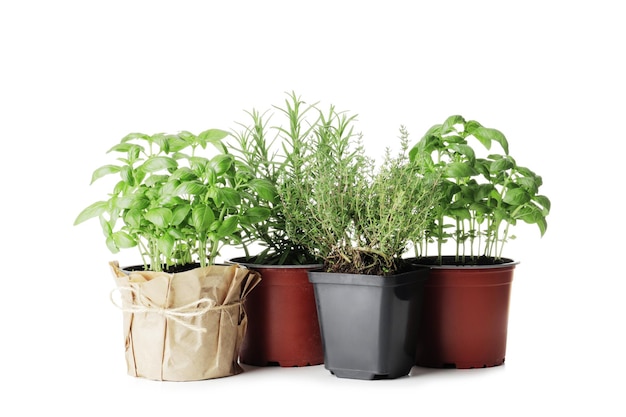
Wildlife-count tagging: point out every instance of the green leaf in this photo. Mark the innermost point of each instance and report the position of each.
(133, 218)
(127, 175)
(544, 202)
(157, 163)
(202, 217)
(183, 174)
(160, 139)
(155, 179)
(501, 165)
(528, 184)
(464, 149)
(124, 202)
(449, 125)
(190, 188)
(133, 136)
(213, 136)
(104, 170)
(168, 189)
(111, 245)
(221, 163)
(516, 196)
(161, 217)
(177, 143)
(93, 210)
(459, 213)
(479, 208)
(180, 213)
(485, 135)
(165, 244)
(483, 191)
(264, 188)
(228, 197)
(123, 240)
(459, 170)
(139, 202)
(228, 226)
(130, 148)
(543, 225)
(256, 215)
(176, 234)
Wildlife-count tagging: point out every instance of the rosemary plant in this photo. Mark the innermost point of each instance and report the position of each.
(275, 152)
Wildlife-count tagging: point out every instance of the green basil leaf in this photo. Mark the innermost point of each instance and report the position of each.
(180, 213)
(161, 217)
(157, 163)
(516, 196)
(93, 210)
(123, 240)
(228, 226)
(459, 170)
(165, 244)
(104, 170)
(202, 217)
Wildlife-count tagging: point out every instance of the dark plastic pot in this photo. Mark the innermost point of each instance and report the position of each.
(369, 323)
(283, 328)
(465, 316)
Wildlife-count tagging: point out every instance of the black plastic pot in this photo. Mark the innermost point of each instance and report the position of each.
(369, 324)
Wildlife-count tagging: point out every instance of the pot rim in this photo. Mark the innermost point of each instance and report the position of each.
(237, 261)
(507, 263)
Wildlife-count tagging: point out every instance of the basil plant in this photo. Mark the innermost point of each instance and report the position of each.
(481, 197)
(173, 200)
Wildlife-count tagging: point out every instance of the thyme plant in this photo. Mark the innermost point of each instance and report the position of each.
(356, 217)
(482, 197)
(173, 202)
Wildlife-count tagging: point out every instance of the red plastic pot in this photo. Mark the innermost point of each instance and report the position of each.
(465, 316)
(283, 326)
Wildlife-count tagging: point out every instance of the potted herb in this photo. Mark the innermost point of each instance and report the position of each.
(359, 218)
(183, 318)
(467, 298)
(283, 328)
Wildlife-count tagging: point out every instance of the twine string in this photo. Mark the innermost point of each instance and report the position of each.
(194, 309)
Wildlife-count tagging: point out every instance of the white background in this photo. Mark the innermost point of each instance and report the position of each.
(76, 76)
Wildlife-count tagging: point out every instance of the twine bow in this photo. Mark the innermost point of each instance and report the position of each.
(178, 314)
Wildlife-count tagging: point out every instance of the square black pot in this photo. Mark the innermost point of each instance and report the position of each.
(369, 324)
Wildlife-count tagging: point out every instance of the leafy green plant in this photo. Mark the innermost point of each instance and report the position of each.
(482, 197)
(175, 204)
(274, 152)
(356, 217)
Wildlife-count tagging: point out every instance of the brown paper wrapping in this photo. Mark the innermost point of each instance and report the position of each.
(184, 326)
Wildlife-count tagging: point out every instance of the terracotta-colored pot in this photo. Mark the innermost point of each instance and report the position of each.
(283, 327)
(465, 316)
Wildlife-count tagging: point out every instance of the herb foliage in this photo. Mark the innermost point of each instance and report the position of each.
(482, 197)
(175, 203)
(354, 215)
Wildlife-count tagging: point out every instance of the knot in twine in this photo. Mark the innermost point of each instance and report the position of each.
(194, 309)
